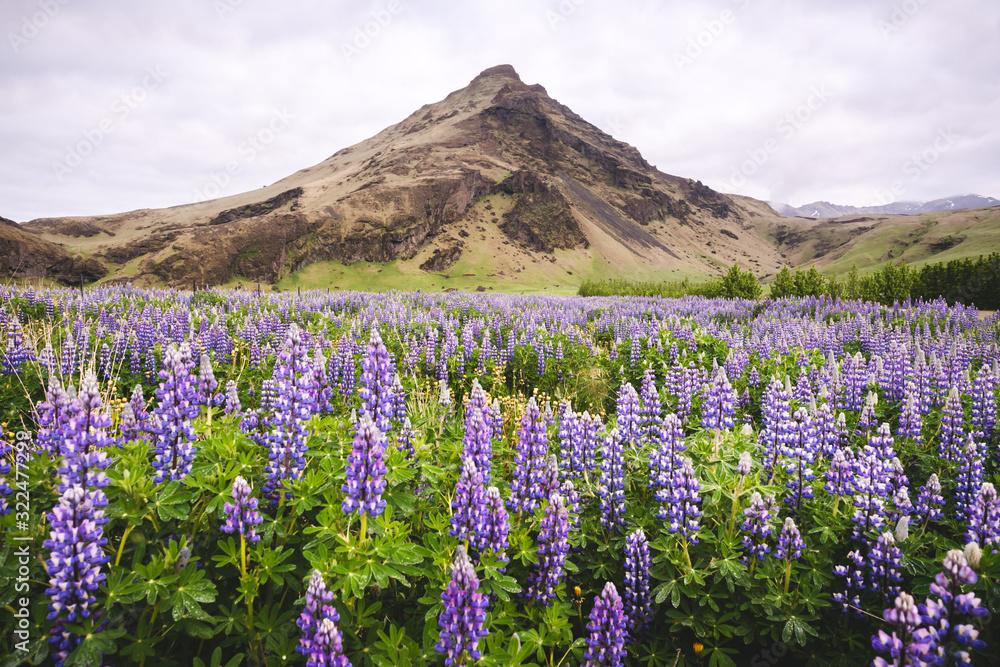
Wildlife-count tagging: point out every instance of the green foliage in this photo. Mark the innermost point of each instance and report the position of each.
(668, 290)
(737, 284)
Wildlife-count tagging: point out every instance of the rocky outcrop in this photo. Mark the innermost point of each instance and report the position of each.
(26, 255)
(541, 218)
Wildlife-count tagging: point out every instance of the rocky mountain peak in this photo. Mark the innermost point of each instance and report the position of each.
(504, 71)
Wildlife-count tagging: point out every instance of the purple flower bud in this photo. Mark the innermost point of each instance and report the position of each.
(242, 514)
(606, 643)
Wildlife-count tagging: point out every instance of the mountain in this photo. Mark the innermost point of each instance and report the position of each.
(498, 182)
(823, 209)
(27, 255)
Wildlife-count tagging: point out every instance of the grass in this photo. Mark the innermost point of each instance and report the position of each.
(911, 240)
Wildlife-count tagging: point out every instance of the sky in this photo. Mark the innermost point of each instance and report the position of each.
(109, 106)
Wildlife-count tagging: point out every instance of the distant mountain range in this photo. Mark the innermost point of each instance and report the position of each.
(824, 209)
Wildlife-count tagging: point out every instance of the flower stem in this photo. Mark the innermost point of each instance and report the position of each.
(118, 558)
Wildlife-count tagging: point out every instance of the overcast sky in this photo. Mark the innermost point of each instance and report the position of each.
(109, 106)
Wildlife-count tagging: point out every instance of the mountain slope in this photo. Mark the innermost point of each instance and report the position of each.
(497, 179)
(27, 255)
(835, 245)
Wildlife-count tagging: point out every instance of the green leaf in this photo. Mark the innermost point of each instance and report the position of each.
(93, 647)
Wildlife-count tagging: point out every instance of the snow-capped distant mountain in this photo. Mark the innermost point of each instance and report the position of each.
(823, 209)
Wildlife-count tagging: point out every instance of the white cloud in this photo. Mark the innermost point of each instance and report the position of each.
(616, 65)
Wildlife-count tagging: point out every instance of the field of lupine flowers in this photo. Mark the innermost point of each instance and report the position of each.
(234, 478)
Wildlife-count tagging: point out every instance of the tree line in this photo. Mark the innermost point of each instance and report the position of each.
(965, 281)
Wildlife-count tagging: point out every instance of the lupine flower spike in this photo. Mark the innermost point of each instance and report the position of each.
(464, 614)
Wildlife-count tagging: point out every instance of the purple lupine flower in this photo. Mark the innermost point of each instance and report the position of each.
(884, 567)
(461, 621)
(138, 404)
(823, 428)
(629, 418)
(529, 461)
(790, 542)
(853, 575)
(682, 511)
(775, 409)
(571, 444)
(756, 527)
(242, 514)
(233, 406)
(377, 375)
(477, 443)
(85, 439)
(365, 471)
(53, 414)
(666, 458)
(572, 497)
(910, 421)
(606, 643)
(293, 405)
(719, 407)
(404, 439)
(493, 529)
(74, 564)
(14, 352)
(399, 412)
(322, 391)
(638, 603)
(553, 545)
(611, 486)
(952, 435)
(128, 425)
(745, 464)
(969, 478)
(984, 403)
(206, 380)
(496, 415)
(929, 500)
(469, 504)
(867, 418)
(855, 378)
(871, 485)
(590, 440)
(840, 474)
(651, 406)
(908, 641)
(328, 646)
(797, 444)
(550, 476)
(177, 406)
(5, 488)
(942, 615)
(317, 609)
(984, 517)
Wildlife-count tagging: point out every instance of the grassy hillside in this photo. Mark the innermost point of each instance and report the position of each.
(834, 246)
